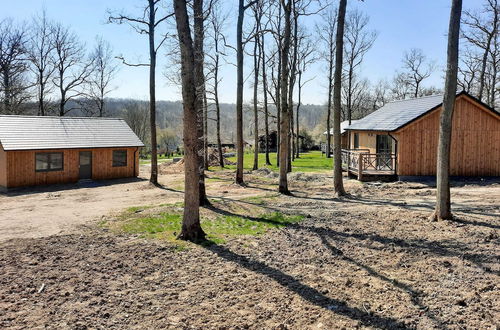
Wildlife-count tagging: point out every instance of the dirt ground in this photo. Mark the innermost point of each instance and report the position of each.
(372, 260)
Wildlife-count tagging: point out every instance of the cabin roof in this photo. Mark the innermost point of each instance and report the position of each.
(397, 114)
(37, 133)
(343, 126)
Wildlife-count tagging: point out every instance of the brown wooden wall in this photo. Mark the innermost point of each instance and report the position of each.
(3, 167)
(21, 167)
(475, 148)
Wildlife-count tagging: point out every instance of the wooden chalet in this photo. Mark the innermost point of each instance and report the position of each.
(400, 139)
(50, 150)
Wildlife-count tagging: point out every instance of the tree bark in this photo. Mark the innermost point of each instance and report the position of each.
(199, 80)
(298, 111)
(338, 183)
(152, 93)
(329, 105)
(285, 120)
(191, 228)
(443, 202)
(239, 94)
(256, 64)
(266, 109)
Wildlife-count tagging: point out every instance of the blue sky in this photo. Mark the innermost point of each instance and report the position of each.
(401, 25)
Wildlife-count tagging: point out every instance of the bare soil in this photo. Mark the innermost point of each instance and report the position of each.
(371, 260)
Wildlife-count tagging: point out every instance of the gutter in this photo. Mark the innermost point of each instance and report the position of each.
(395, 153)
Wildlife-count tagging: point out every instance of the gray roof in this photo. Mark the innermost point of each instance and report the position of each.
(35, 133)
(396, 114)
(343, 126)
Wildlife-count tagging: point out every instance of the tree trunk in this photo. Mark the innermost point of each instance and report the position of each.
(266, 110)
(278, 91)
(191, 228)
(256, 63)
(298, 109)
(217, 106)
(199, 80)
(284, 120)
(239, 94)
(329, 106)
(152, 94)
(443, 203)
(338, 183)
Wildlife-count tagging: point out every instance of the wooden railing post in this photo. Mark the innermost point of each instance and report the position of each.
(360, 166)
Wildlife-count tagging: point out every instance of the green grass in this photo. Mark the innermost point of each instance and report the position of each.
(308, 162)
(167, 225)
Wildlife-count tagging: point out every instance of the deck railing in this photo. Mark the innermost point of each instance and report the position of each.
(362, 162)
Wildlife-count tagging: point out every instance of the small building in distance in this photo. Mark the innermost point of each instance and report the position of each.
(50, 150)
(343, 137)
(401, 139)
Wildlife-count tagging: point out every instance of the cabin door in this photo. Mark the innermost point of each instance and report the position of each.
(85, 165)
(384, 150)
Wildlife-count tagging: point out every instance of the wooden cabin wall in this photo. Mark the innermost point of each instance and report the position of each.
(21, 167)
(3, 167)
(475, 147)
(368, 140)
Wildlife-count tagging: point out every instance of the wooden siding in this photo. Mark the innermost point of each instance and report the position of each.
(475, 147)
(3, 167)
(21, 167)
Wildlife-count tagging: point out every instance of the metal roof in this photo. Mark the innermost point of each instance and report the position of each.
(396, 114)
(343, 126)
(35, 133)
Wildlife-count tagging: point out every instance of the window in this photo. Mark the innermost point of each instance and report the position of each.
(356, 140)
(49, 161)
(119, 158)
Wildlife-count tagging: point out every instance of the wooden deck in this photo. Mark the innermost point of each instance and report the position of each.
(366, 166)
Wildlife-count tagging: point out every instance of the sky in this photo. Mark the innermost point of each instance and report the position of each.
(401, 25)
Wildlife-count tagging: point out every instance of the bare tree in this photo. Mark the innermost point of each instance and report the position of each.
(39, 53)
(417, 68)
(257, 9)
(242, 7)
(13, 68)
(71, 72)
(191, 228)
(136, 114)
(147, 24)
(305, 59)
(358, 41)
(284, 108)
(262, 50)
(338, 183)
(216, 35)
(103, 72)
(443, 203)
(481, 31)
(326, 33)
(199, 81)
(400, 87)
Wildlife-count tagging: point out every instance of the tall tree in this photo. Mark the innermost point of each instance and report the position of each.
(147, 24)
(284, 108)
(40, 50)
(242, 7)
(191, 228)
(72, 70)
(262, 50)
(199, 80)
(443, 203)
(338, 183)
(216, 34)
(102, 75)
(481, 30)
(358, 41)
(257, 13)
(326, 33)
(13, 68)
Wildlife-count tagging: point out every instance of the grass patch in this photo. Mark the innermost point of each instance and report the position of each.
(167, 225)
(312, 161)
(260, 200)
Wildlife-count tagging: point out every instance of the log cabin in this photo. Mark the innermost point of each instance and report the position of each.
(400, 139)
(52, 150)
